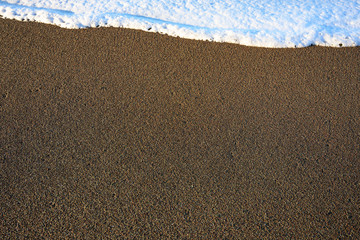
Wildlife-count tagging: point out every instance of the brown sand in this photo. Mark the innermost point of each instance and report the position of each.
(115, 133)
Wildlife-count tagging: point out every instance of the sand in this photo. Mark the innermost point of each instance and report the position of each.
(121, 134)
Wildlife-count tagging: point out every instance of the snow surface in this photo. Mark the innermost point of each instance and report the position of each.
(266, 23)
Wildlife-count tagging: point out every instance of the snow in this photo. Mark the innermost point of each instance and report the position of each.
(264, 23)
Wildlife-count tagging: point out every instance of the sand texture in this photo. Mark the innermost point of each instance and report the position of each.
(120, 134)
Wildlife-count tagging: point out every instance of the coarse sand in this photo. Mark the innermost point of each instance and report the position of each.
(111, 133)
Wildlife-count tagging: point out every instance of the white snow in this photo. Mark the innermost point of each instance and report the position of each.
(266, 23)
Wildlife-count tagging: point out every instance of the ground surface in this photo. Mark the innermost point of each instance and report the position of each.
(114, 133)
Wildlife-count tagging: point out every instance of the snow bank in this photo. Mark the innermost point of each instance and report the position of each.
(265, 23)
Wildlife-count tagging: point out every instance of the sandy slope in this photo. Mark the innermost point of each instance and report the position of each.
(120, 133)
